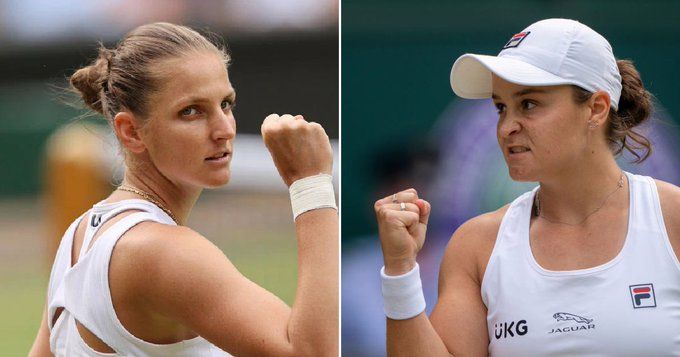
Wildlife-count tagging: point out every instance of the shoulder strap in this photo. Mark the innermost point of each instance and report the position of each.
(87, 293)
(517, 217)
(62, 262)
(96, 220)
(644, 203)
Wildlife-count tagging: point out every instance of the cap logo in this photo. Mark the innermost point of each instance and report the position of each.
(516, 39)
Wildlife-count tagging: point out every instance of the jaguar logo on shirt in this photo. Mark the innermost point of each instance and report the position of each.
(582, 323)
(563, 316)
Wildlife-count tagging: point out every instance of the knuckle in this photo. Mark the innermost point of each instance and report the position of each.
(271, 128)
(286, 126)
(386, 214)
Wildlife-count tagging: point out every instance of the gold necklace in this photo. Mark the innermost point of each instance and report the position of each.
(539, 213)
(148, 197)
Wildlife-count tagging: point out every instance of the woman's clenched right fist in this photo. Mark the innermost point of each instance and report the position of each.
(402, 223)
(299, 148)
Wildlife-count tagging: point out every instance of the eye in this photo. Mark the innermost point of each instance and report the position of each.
(500, 108)
(227, 105)
(189, 111)
(528, 105)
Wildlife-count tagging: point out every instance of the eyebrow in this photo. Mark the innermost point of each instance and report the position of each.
(522, 92)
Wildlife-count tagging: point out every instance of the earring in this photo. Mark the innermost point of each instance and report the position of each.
(592, 125)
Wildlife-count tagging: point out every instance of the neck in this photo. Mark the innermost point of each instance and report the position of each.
(179, 200)
(574, 192)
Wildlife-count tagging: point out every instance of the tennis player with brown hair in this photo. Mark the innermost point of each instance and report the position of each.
(586, 263)
(129, 278)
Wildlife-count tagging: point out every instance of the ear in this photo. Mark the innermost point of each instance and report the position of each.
(127, 130)
(599, 105)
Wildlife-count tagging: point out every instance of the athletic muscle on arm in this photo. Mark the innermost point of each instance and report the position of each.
(190, 280)
(460, 314)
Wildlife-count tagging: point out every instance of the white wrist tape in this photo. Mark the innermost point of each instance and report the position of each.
(403, 294)
(312, 192)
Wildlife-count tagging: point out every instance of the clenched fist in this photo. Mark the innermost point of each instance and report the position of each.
(299, 148)
(402, 222)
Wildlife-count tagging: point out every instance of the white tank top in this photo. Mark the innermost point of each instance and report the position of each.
(629, 306)
(83, 290)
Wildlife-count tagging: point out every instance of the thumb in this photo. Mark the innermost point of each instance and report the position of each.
(425, 209)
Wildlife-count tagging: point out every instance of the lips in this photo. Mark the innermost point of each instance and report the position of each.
(518, 149)
(218, 155)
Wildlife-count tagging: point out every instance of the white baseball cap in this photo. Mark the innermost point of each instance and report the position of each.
(547, 53)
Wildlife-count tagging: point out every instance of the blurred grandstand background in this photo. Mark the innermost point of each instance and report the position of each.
(403, 127)
(285, 60)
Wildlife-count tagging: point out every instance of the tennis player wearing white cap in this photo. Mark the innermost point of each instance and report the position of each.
(586, 263)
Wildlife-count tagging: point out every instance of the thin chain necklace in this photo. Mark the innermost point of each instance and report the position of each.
(148, 197)
(538, 212)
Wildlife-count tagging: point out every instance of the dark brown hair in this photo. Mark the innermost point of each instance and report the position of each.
(123, 78)
(635, 107)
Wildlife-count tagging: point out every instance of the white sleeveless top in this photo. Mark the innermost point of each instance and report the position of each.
(629, 306)
(83, 290)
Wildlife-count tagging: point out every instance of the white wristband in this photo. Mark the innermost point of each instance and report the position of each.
(312, 192)
(403, 294)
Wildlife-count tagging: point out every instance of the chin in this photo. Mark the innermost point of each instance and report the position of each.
(216, 181)
(521, 174)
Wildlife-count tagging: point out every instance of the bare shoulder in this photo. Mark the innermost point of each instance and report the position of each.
(669, 197)
(153, 258)
(149, 239)
(669, 194)
(472, 243)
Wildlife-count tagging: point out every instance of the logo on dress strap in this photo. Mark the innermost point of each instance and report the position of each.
(96, 220)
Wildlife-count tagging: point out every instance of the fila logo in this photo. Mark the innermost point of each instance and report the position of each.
(642, 295)
(509, 329)
(516, 39)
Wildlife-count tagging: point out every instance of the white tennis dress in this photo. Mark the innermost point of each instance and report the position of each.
(83, 290)
(629, 306)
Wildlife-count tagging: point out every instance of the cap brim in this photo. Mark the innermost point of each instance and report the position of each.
(471, 75)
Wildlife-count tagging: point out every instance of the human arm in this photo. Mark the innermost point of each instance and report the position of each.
(457, 325)
(41, 345)
(460, 314)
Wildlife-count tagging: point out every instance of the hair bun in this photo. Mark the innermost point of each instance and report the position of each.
(90, 80)
(635, 107)
(635, 103)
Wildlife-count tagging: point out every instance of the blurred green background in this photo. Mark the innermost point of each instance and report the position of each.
(284, 60)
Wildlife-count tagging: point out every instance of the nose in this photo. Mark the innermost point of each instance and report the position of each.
(223, 126)
(508, 125)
